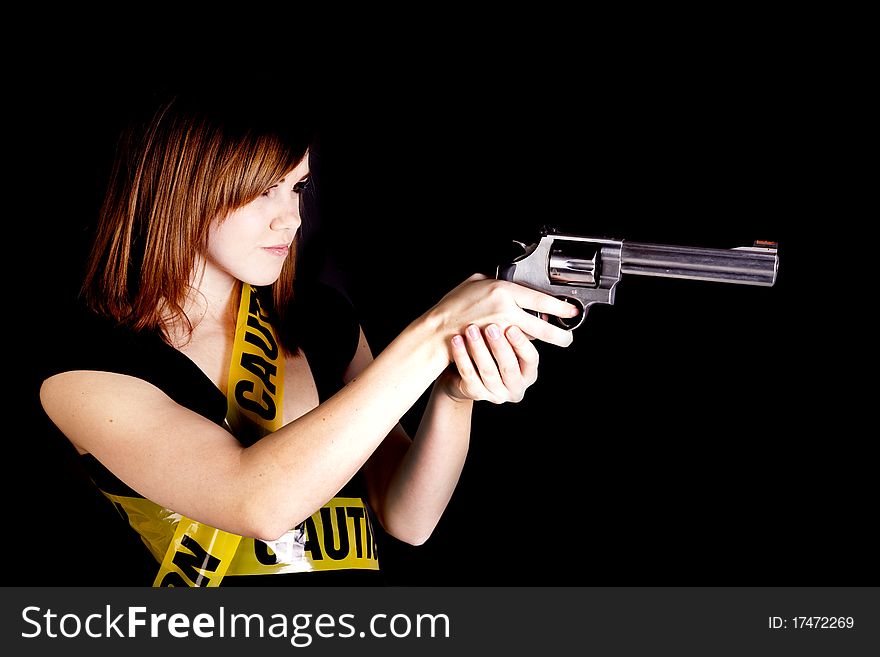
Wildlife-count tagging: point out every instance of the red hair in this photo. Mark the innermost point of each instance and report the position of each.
(197, 158)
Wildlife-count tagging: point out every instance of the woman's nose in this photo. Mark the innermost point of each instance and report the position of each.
(288, 215)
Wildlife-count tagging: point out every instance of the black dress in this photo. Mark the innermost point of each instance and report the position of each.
(327, 334)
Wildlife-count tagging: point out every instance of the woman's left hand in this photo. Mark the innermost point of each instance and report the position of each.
(491, 365)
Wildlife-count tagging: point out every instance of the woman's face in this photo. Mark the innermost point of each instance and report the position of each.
(252, 243)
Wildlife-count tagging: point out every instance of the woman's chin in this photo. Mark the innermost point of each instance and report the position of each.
(260, 279)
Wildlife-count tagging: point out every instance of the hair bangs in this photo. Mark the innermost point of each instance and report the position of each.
(254, 165)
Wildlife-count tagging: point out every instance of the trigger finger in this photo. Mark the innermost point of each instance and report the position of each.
(546, 331)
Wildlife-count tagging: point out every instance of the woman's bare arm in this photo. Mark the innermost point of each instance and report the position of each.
(182, 461)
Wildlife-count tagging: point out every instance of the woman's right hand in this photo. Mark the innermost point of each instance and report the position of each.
(482, 301)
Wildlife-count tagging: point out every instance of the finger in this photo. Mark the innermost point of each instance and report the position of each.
(545, 331)
(471, 385)
(525, 352)
(541, 302)
(485, 363)
(506, 361)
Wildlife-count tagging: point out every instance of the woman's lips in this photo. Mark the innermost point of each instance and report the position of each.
(279, 250)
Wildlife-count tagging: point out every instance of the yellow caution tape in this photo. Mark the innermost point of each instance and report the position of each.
(337, 536)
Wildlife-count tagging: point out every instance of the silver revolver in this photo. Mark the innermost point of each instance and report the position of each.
(586, 270)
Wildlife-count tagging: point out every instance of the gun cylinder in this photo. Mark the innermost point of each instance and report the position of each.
(568, 269)
(743, 265)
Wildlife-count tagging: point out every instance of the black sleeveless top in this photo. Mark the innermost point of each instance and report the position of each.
(327, 332)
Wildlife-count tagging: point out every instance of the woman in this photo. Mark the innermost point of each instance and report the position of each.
(242, 426)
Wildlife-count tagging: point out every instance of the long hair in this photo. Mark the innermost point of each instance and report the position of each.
(196, 158)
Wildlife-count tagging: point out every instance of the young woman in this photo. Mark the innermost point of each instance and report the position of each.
(239, 422)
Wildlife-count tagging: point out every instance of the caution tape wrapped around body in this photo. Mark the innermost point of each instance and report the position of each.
(190, 553)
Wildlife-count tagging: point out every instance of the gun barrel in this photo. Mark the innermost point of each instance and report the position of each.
(749, 266)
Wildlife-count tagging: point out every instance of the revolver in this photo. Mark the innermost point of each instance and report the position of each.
(586, 270)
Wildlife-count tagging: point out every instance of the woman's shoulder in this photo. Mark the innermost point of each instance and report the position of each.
(85, 340)
(77, 338)
(81, 339)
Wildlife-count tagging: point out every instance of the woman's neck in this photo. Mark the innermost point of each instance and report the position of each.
(210, 304)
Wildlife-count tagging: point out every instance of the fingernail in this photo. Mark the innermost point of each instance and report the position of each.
(573, 310)
(473, 332)
(514, 334)
(457, 341)
(493, 332)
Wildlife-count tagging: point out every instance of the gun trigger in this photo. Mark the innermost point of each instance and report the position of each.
(570, 324)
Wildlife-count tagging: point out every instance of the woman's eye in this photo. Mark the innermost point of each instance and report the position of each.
(268, 192)
(302, 185)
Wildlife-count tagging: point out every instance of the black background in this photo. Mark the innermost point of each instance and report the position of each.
(689, 436)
